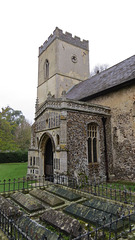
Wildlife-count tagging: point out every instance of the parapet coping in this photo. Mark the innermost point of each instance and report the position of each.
(66, 104)
(67, 37)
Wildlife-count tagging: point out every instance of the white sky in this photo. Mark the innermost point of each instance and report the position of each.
(26, 24)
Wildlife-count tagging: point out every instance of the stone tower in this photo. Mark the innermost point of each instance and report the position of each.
(63, 62)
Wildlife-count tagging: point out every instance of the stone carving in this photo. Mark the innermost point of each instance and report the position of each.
(59, 104)
(49, 120)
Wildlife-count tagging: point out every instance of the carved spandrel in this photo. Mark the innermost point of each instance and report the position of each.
(51, 120)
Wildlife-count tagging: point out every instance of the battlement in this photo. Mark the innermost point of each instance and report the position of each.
(67, 37)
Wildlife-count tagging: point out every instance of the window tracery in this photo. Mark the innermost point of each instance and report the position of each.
(92, 142)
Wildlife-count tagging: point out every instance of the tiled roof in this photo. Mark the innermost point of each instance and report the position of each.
(119, 74)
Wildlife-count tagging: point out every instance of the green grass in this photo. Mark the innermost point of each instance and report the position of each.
(12, 170)
(122, 185)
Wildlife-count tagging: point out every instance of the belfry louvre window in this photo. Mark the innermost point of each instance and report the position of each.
(92, 142)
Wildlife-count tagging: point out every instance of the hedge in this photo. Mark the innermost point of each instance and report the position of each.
(12, 157)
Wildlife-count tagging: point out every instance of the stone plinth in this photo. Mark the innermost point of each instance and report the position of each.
(9, 209)
(34, 230)
(105, 206)
(46, 197)
(62, 221)
(64, 193)
(92, 215)
(28, 202)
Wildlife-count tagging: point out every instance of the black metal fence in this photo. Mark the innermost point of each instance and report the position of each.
(106, 231)
(14, 232)
(117, 193)
(119, 228)
(10, 229)
(114, 230)
(98, 189)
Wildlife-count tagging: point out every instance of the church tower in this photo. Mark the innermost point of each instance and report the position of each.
(63, 62)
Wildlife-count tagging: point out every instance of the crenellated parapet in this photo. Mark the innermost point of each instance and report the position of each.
(67, 37)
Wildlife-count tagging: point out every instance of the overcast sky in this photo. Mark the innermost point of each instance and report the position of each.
(109, 25)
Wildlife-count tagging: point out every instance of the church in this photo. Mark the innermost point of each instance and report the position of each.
(84, 126)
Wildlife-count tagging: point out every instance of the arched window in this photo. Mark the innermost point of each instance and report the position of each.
(46, 69)
(92, 142)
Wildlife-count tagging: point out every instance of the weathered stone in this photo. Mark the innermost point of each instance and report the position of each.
(28, 202)
(34, 230)
(122, 130)
(62, 221)
(47, 197)
(64, 193)
(77, 136)
(92, 215)
(105, 206)
(9, 209)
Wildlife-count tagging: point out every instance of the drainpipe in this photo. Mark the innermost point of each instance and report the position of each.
(105, 148)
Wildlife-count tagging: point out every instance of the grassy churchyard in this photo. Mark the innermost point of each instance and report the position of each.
(65, 212)
(19, 170)
(12, 170)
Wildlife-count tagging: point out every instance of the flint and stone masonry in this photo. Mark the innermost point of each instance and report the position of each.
(84, 126)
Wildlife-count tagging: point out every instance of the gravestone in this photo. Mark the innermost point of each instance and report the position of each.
(47, 197)
(9, 209)
(105, 206)
(64, 193)
(28, 202)
(62, 221)
(91, 215)
(34, 230)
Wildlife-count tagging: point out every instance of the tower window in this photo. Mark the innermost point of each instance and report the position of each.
(46, 69)
(92, 143)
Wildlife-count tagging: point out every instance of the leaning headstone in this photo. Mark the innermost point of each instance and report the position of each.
(8, 208)
(62, 221)
(34, 230)
(47, 197)
(28, 202)
(64, 193)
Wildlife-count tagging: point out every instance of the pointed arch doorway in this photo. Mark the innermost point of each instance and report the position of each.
(48, 159)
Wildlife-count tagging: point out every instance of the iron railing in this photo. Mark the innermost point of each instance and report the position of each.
(10, 229)
(98, 189)
(109, 231)
(119, 228)
(106, 231)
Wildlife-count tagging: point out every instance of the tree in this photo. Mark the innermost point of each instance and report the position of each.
(23, 134)
(98, 68)
(13, 125)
